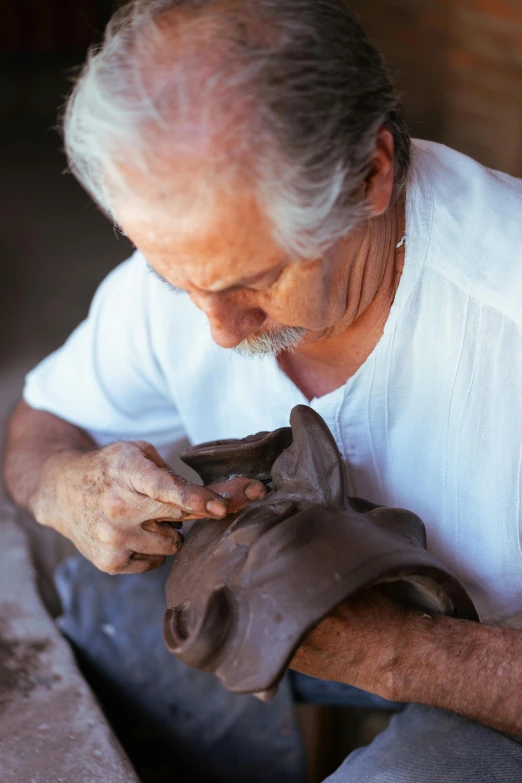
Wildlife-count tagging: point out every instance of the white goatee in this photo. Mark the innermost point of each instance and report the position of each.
(271, 342)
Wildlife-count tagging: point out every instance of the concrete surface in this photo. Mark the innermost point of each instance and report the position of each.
(51, 728)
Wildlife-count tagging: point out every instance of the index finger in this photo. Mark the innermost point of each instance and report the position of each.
(176, 496)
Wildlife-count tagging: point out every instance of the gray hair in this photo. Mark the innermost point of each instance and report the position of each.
(295, 86)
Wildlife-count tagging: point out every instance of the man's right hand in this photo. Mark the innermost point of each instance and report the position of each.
(120, 505)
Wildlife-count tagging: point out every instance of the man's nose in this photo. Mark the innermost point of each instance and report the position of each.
(230, 323)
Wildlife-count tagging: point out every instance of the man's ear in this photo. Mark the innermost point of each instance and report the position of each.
(381, 179)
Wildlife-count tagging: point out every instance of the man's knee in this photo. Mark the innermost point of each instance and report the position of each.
(426, 745)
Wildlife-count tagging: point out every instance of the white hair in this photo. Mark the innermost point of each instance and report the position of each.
(288, 94)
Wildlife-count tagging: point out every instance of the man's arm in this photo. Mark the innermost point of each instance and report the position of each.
(35, 439)
(456, 665)
(120, 505)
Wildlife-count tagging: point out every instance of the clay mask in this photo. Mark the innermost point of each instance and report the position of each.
(245, 591)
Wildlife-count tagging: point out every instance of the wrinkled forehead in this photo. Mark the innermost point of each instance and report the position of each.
(214, 235)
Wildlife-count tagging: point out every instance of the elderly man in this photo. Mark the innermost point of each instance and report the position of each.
(256, 154)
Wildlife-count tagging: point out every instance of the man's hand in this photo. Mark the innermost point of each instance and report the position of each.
(121, 505)
(357, 644)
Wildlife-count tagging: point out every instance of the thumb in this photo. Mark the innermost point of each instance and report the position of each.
(239, 492)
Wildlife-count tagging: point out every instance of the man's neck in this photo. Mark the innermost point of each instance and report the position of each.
(319, 367)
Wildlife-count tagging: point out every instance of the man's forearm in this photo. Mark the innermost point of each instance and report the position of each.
(461, 666)
(35, 437)
(403, 655)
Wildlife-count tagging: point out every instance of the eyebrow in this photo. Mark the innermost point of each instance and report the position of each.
(176, 290)
(159, 277)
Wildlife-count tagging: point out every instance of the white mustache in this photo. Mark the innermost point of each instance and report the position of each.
(271, 342)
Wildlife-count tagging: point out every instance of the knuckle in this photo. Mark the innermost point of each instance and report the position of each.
(141, 445)
(119, 456)
(112, 458)
(108, 534)
(114, 449)
(116, 507)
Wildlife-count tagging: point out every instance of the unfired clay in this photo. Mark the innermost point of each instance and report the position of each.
(244, 592)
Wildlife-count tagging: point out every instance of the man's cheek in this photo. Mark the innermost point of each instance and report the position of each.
(290, 307)
(307, 309)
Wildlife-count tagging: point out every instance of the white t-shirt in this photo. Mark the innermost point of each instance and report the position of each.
(431, 422)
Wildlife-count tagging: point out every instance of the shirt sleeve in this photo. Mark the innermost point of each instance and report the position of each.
(106, 379)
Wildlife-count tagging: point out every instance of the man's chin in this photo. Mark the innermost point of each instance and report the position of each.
(271, 342)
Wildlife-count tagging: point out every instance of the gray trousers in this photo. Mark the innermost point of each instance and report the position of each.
(426, 745)
(178, 724)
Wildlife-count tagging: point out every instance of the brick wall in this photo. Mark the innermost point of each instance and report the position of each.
(459, 65)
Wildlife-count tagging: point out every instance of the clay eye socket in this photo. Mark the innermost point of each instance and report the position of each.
(180, 623)
(196, 638)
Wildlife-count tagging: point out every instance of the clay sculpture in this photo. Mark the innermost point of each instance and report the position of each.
(245, 591)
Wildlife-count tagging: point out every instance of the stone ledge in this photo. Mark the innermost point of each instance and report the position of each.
(51, 727)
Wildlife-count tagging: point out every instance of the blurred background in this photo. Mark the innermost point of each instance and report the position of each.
(458, 64)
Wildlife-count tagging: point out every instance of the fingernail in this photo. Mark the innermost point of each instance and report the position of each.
(218, 508)
(255, 491)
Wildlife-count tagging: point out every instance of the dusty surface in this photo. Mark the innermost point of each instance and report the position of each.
(51, 728)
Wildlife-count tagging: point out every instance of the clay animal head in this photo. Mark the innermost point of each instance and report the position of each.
(245, 591)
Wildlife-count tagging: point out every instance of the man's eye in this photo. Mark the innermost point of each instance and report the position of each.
(155, 274)
(263, 287)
